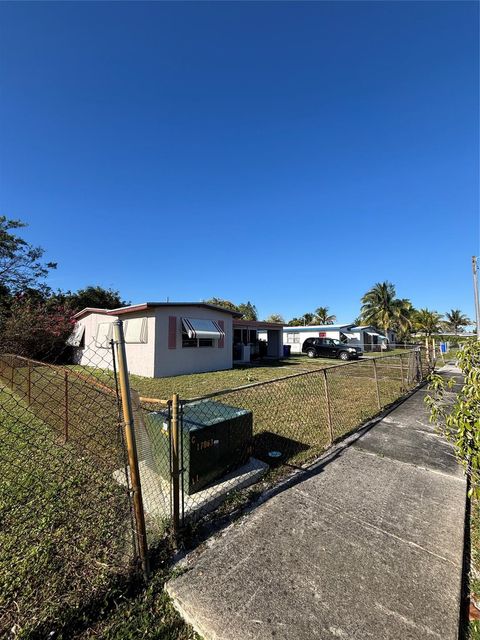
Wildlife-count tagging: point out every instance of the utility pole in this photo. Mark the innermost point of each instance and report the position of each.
(475, 293)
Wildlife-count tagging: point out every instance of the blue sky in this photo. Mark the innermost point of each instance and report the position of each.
(291, 154)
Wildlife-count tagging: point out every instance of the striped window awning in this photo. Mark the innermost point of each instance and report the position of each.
(201, 328)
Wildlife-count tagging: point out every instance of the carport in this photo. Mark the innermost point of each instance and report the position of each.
(254, 340)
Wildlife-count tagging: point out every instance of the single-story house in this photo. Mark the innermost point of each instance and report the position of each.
(167, 338)
(366, 337)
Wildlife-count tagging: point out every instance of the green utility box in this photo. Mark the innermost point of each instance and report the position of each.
(215, 439)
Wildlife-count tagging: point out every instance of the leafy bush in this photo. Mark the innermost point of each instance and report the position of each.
(461, 420)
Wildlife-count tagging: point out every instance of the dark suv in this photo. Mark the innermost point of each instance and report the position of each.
(330, 348)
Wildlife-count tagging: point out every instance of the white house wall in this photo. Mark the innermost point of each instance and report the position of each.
(90, 355)
(140, 357)
(181, 360)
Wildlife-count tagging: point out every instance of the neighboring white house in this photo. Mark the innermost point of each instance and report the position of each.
(366, 337)
(168, 338)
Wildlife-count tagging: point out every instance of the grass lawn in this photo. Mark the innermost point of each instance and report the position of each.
(65, 540)
(198, 384)
(289, 414)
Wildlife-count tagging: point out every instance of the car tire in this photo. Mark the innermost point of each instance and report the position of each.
(311, 353)
(343, 355)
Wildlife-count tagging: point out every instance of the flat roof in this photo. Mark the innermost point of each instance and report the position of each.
(257, 324)
(318, 327)
(149, 305)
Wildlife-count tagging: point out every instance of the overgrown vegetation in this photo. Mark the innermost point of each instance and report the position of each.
(460, 423)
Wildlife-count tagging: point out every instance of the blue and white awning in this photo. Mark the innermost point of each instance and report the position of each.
(201, 328)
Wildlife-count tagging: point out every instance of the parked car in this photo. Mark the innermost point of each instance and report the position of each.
(330, 348)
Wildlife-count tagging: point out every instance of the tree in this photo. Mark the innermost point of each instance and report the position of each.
(296, 322)
(35, 329)
(91, 296)
(219, 302)
(248, 310)
(456, 320)
(322, 316)
(21, 265)
(307, 318)
(276, 317)
(403, 322)
(382, 309)
(427, 322)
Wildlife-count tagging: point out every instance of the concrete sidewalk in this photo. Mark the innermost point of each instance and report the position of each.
(368, 545)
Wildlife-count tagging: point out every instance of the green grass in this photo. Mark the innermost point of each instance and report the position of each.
(289, 413)
(65, 526)
(65, 541)
(199, 384)
(148, 614)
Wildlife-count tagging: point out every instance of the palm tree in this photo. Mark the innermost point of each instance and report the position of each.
(404, 318)
(428, 322)
(275, 317)
(322, 316)
(382, 309)
(456, 320)
(307, 318)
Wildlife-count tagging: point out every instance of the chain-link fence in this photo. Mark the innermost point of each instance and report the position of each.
(66, 532)
(231, 439)
(82, 453)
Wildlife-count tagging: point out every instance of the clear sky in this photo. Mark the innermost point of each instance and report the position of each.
(291, 154)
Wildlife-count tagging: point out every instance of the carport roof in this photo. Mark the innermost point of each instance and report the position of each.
(318, 327)
(257, 324)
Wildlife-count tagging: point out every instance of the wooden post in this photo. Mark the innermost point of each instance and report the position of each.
(175, 465)
(376, 384)
(401, 372)
(66, 406)
(29, 384)
(329, 412)
(136, 489)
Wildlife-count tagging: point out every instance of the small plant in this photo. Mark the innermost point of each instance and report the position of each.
(461, 421)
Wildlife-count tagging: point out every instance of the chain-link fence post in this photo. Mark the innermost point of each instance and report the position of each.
(29, 383)
(327, 402)
(404, 382)
(175, 465)
(141, 533)
(66, 406)
(376, 384)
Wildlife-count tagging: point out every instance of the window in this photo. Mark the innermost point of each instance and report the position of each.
(135, 331)
(293, 338)
(103, 335)
(77, 337)
(200, 332)
(195, 342)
